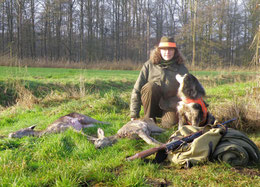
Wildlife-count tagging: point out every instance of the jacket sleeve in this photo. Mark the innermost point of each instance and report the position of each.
(135, 105)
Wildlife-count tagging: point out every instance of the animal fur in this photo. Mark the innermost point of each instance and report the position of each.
(142, 128)
(191, 113)
(73, 120)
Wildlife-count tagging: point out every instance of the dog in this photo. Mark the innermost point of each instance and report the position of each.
(192, 109)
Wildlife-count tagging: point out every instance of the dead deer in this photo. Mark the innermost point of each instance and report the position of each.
(133, 129)
(75, 120)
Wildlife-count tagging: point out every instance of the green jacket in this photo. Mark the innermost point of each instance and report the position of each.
(162, 75)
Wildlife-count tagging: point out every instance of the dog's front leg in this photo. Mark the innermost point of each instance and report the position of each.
(182, 120)
(195, 122)
(181, 114)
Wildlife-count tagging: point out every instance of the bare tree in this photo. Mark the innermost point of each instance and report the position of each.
(212, 31)
(193, 7)
(58, 22)
(33, 41)
(89, 48)
(81, 32)
(70, 27)
(2, 7)
(19, 8)
(148, 14)
(256, 41)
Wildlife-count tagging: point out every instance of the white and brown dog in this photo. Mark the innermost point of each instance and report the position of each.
(192, 110)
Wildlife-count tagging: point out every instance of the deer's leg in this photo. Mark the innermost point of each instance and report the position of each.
(181, 114)
(182, 120)
(90, 138)
(148, 139)
(89, 125)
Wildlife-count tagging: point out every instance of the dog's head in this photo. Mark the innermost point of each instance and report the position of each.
(190, 87)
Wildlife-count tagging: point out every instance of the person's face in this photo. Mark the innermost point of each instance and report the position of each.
(167, 53)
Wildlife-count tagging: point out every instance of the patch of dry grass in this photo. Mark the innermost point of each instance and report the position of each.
(24, 95)
(108, 65)
(219, 68)
(246, 110)
(25, 98)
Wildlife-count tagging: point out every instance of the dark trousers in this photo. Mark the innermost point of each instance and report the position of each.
(150, 95)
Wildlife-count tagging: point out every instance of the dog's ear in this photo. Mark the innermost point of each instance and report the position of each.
(196, 91)
(193, 92)
(200, 90)
(189, 91)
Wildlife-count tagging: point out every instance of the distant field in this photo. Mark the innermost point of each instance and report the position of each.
(65, 75)
(39, 96)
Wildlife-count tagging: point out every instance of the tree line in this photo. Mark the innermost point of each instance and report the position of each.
(214, 32)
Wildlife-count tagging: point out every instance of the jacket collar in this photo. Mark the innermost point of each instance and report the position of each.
(166, 64)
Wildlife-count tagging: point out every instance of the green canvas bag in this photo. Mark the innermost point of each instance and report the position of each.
(197, 151)
(225, 145)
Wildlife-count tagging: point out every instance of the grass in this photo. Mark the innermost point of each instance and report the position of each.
(39, 96)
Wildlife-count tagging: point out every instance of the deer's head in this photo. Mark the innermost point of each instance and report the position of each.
(29, 131)
(103, 141)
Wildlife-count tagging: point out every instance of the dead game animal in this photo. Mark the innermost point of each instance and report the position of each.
(133, 129)
(74, 120)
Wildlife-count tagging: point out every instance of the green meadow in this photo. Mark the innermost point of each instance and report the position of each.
(39, 96)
